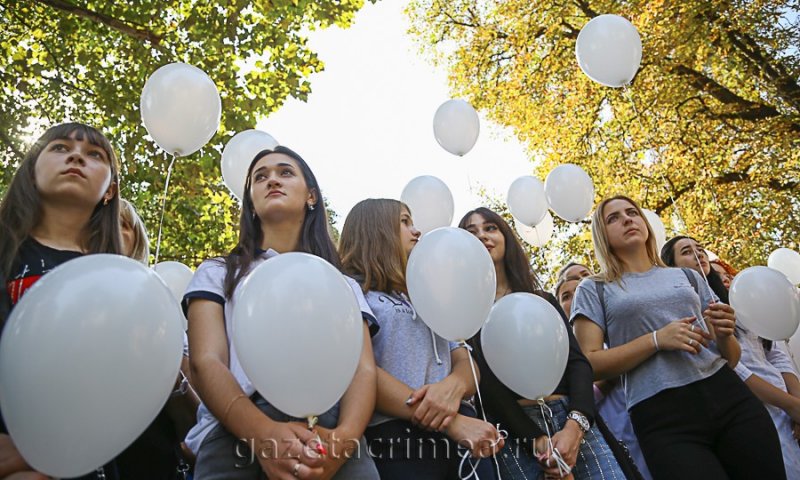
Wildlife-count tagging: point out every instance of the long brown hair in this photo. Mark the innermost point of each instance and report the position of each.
(370, 245)
(611, 267)
(314, 235)
(521, 277)
(21, 208)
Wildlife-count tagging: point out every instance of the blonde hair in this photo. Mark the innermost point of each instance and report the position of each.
(140, 250)
(611, 266)
(370, 245)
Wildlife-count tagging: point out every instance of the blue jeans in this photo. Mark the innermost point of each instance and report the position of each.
(595, 458)
(223, 457)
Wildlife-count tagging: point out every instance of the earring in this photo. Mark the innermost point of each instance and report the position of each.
(105, 202)
(311, 206)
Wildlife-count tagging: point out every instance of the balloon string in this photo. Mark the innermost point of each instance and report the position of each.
(627, 92)
(547, 416)
(163, 207)
(502, 434)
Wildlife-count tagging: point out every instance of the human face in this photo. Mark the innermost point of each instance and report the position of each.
(490, 235)
(726, 277)
(278, 189)
(576, 271)
(625, 227)
(74, 172)
(566, 293)
(128, 237)
(409, 235)
(688, 253)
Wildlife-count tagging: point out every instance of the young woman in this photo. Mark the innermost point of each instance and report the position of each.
(135, 243)
(609, 395)
(423, 380)
(282, 212)
(61, 204)
(725, 271)
(693, 417)
(765, 368)
(579, 442)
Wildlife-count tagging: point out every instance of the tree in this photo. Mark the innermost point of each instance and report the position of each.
(88, 61)
(712, 119)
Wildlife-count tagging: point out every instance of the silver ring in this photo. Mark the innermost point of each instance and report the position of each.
(296, 469)
(691, 342)
(692, 329)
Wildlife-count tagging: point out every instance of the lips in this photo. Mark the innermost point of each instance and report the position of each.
(631, 230)
(275, 193)
(73, 171)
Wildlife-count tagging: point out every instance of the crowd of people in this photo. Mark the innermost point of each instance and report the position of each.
(661, 381)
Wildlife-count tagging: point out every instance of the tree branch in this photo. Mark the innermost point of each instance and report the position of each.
(120, 26)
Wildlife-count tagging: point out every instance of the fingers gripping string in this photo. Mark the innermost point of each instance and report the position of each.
(163, 207)
(502, 434)
(547, 415)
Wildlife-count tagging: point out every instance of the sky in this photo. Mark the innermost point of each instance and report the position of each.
(367, 127)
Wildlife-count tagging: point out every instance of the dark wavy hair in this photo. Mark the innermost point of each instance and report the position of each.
(518, 269)
(314, 237)
(714, 280)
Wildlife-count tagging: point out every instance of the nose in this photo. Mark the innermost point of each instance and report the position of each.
(75, 156)
(273, 181)
(416, 233)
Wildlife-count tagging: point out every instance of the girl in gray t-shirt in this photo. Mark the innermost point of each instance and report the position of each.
(676, 349)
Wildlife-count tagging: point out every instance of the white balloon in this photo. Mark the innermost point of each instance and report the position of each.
(570, 192)
(451, 282)
(526, 344)
(456, 126)
(177, 277)
(786, 261)
(539, 235)
(430, 202)
(237, 155)
(609, 50)
(765, 302)
(87, 360)
(297, 329)
(180, 108)
(658, 227)
(526, 200)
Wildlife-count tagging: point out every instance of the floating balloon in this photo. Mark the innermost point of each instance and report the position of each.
(539, 235)
(526, 344)
(297, 329)
(88, 358)
(658, 227)
(570, 192)
(609, 50)
(180, 108)
(765, 302)
(456, 126)
(451, 282)
(527, 201)
(430, 201)
(237, 155)
(177, 277)
(786, 261)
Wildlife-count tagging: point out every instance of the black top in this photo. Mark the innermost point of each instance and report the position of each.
(500, 402)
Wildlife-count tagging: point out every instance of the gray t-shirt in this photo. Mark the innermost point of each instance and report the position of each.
(404, 346)
(637, 305)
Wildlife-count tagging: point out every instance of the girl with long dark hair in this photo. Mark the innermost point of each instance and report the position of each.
(692, 415)
(282, 211)
(579, 442)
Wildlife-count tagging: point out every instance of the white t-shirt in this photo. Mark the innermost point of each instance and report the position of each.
(208, 284)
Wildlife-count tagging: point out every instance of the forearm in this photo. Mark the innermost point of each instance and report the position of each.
(460, 377)
(792, 384)
(768, 393)
(358, 402)
(616, 361)
(730, 350)
(392, 395)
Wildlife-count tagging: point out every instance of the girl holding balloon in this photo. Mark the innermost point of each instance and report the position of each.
(61, 204)
(693, 417)
(764, 366)
(423, 380)
(282, 211)
(580, 444)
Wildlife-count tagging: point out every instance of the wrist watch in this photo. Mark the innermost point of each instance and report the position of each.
(580, 419)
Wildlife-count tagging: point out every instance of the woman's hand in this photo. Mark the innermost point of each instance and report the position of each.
(682, 335)
(722, 318)
(284, 446)
(439, 404)
(340, 446)
(481, 438)
(545, 456)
